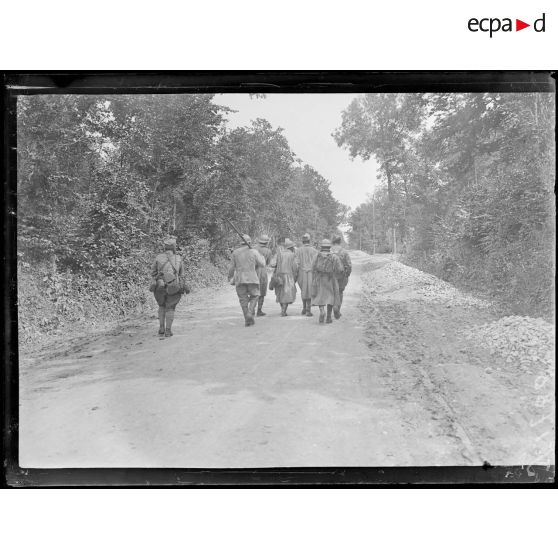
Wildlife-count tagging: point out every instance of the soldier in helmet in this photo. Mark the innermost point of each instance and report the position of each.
(164, 271)
(263, 249)
(306, 255)
(243, 273)
(342, 278)
(325, 290)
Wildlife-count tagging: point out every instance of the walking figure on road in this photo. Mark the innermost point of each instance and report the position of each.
(286, 270)
(167, 275)
(325, 290)
(306, 256)
(343, 277)
(243, 273)
(263, 249)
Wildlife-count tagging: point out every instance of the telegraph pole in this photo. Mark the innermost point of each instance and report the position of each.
(373, 226)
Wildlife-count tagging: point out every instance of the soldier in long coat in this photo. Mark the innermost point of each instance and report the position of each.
(263, 249)
(166, 262)
(325, 290)
(244, 275)
(343, 277)
(287, 269)
(306, 255)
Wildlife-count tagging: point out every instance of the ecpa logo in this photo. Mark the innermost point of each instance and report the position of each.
(492, 25)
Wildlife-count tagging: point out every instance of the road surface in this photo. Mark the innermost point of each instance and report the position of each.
(393, 383)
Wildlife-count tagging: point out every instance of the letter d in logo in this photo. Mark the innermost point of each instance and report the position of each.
(539, 24)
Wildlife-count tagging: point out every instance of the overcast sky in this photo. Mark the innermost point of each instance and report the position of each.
(308, 121)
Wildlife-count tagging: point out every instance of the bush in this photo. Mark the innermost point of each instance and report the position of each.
(51, 301)
(518, 274)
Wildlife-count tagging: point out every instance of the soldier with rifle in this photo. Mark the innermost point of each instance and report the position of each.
(243, 273)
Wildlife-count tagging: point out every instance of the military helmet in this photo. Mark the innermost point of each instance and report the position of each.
(264, 239)
(289, 243)
(325, 243)
(305, 237)
(336, 239)
(169, 241)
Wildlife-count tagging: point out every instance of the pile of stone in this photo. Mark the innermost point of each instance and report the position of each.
(520, 340)
(430, 287)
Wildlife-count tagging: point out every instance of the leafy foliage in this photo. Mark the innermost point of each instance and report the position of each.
(101, 179)
(470, 194)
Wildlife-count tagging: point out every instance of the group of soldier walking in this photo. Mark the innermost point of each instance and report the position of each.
(321, 275)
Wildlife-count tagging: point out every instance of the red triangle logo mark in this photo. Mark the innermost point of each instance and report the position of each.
(519, 25)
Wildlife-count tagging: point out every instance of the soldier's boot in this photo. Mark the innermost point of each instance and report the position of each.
(260, 305)
(336, 312)
(303, 307)
(286, 306)
(309, 308)
(321, 319)
(169, 319)
(161, 320)
(283, 309)
(329, 309)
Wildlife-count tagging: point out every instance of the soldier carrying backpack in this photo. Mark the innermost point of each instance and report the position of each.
(325, 289)
(168, 284)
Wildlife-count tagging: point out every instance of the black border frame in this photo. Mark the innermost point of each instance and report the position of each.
(105, 82)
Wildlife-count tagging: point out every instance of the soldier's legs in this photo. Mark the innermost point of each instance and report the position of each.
(303, 307)
(252, 304)
(161, 320)
(337, 309)
(329, 309)
(160, 297)
(260, 305)
(172, 301)
(243, 298)
(252, 296)
(322, 315)
(309, 307)
(169, 318)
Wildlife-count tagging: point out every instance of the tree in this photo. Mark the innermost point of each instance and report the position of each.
(472, 190)
(383, 125)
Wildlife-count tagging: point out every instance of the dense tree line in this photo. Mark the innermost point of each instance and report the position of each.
(101, 177)
(467, 187)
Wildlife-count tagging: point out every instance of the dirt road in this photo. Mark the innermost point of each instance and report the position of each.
(393, 383)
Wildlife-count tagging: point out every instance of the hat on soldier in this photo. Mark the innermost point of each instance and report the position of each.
(305, 237)
(170, 241)
(325, 243)
(336, 239)
(264, 239)
(289, 243)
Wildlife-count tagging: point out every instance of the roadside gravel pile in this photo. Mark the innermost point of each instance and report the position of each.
(430, 286)
(526, 342)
